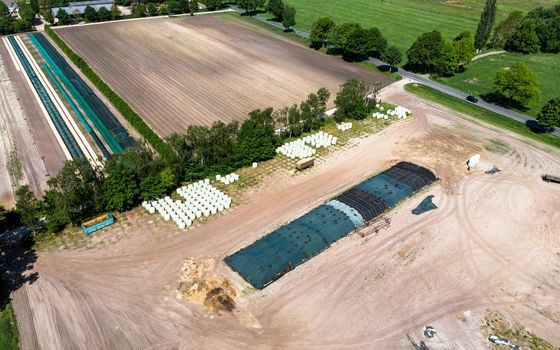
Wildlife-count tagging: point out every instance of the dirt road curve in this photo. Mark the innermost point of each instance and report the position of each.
(493, 243)
(196, 70)
(23, 127)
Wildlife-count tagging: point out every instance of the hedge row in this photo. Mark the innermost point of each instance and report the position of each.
(133, 118)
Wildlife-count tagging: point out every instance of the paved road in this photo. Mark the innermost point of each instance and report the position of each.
(422, 80)
(459, 94)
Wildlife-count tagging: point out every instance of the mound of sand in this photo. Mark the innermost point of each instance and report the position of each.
(199, 284)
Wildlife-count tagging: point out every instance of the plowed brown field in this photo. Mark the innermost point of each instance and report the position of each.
(196, 70)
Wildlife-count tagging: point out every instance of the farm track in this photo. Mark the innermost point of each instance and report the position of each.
(490, 244)
(197, 70)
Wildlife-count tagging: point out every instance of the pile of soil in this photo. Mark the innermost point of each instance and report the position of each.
(199, 284)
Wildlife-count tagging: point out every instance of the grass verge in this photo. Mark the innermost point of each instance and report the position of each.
(495, 323)
(8, 329)
(374, 68)
(482, 114)
(478, 79)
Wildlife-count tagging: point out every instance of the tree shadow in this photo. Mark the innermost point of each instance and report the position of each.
(16, 262)
(537, 128)
(252, 13)
(501, 100)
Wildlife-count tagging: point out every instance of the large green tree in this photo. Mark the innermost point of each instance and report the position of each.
(377, 43)
(256, 140)
(121, 188)
(547, 22)
(484, 29)
(103, 14)
(139, 10)
(358, 44)
(518, 84)
(505, 27)
(152, 187)
(211, 5)
(426, 53)
(524, 38)
(289, 17)
(276, 8)
(353, 101)
(338, 36)
(392, 56)
(35, 6)
(63, 17)
(28, 207)
(6, 25)
(463, 45)
(320, 31)
(250, 5)
(90, 15)
(75, 194)
(549, 116)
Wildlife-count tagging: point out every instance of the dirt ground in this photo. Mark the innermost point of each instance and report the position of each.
(493, 243)
(196, 70)
(24, 128)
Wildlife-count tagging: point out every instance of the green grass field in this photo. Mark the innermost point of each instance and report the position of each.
(478, 79)
(482, 114)
(401, 21)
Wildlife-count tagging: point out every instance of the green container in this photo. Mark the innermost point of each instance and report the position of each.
(98, 223)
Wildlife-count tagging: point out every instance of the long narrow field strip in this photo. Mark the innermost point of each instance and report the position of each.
(196, 70)
(64, 136)
(283, 250)
(56, 78)
(105, 123)
(69, 122)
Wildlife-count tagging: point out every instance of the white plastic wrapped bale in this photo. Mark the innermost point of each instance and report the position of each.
(295, 149)
(319, 139)
(344, 126)
(228, 179)
(201, 199)
(300, 148)
(378, 115)
(473, 160)
(399, 112)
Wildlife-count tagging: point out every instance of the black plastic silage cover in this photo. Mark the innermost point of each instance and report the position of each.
(272, 256)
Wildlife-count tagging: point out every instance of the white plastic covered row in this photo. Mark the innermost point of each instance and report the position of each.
(201, 200)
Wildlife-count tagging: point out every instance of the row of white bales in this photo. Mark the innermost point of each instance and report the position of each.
(308, 145)
(203, 200)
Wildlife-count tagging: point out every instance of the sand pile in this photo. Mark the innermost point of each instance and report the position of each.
(199, 284)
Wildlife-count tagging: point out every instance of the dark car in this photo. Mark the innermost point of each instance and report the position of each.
(472, 99)
(388, 68)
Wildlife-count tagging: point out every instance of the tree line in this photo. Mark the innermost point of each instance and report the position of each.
(81, 191)
(539, 30)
